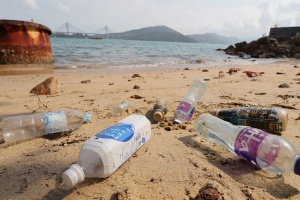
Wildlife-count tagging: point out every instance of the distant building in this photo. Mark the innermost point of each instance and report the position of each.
(284, 33)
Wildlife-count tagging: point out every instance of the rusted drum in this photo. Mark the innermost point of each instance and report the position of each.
(24, 42)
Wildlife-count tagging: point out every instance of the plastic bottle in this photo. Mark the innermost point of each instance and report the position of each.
(270, 152)
(188, 104)
(120, 108)
(34, 125)
(160, 108)
(104, 153)
(272, 120)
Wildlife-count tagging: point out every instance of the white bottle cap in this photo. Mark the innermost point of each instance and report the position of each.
(73, 175)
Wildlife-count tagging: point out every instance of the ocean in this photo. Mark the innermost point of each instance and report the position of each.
(113, 54)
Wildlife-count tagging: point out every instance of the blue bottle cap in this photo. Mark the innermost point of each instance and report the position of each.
(87, 117)
(297, 166)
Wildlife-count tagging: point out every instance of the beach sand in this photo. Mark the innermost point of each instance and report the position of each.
(173, 164)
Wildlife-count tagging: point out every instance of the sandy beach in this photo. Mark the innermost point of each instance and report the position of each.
(174, 163)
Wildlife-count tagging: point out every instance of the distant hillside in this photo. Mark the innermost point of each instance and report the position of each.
(155, 33)
(213, 38)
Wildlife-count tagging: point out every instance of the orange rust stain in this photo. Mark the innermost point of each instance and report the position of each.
(24, 42)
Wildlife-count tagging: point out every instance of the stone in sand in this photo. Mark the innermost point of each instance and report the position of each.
(48, 87)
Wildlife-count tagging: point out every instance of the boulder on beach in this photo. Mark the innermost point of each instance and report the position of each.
(266, 47)
(49, 86)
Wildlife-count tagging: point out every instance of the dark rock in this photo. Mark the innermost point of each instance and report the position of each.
(265, 47)
(284, 85)
(230, 50)
(264, 40)
(135, 75)
(261, 93)
(241, 54)
(86, 81)
(136, 96)
(199, 61)
(240, 46)
(136, 87)
(208, 192)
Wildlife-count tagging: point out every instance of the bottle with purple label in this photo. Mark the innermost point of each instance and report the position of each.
(23, 127)
(102, 154)
(188, 104)
(270, 152)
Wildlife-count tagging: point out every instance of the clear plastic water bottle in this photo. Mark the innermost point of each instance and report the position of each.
(160, 108)
(104, 153)
(34, 125)
(119, 109)
(270, 152)
(272, 120)
(188, 104)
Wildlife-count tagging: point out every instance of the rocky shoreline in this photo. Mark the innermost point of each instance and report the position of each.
(266, 47)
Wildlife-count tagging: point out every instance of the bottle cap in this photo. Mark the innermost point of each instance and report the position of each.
(87, 117)
(157, 116)
(73, 175)
(176, 122)
(297, 166)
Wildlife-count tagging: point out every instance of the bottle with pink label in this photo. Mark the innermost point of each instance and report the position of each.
(270, 152)
(188, 104)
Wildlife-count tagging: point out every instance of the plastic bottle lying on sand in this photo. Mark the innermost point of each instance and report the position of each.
(272, 120)
(34, 125)
(270, 152)
(120, 108)
(104, 153)
(188, 104)
(160, 108)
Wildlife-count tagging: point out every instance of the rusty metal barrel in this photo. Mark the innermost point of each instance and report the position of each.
(24, 42)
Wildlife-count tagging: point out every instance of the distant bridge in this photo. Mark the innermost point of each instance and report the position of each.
(69, 29)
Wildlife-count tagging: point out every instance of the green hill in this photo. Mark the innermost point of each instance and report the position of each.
(155, 33)
(213, 38)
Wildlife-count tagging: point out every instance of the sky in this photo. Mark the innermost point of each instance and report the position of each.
(249, 19)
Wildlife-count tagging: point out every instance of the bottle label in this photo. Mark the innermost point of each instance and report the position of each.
(264, 119)
(120, 132)
(249, 141)
(187, 108)
(55, 122)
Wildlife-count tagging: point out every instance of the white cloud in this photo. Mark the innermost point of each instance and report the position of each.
(61, 7)
(32, 4)
(229, 18)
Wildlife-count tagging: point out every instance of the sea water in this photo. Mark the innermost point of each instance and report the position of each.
(116, 54)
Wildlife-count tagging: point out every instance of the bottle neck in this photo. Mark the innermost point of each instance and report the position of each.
(87, 117)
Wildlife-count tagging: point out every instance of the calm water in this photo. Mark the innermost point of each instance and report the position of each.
(73, 53)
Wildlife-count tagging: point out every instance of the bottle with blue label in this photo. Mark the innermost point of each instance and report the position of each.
(102, 154)
(273, 120)
(188, 104)
(270, 152)
(23, 127)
